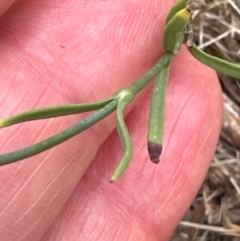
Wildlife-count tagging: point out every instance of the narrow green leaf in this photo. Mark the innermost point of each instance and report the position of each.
(53, 111)
(59, 138)
(220, 65)
(124, 135)
(157, 114)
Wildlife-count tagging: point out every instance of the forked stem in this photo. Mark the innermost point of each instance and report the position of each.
(58, 138)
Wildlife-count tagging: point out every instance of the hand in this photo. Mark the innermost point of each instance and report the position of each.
(55, 52)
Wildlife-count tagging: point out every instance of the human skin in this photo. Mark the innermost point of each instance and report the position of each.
(55, 52)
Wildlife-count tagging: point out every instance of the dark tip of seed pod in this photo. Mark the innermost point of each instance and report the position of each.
(154, 151)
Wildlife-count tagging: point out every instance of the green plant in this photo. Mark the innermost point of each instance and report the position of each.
(173, 39)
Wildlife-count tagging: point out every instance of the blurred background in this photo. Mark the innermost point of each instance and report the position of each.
(215, 213)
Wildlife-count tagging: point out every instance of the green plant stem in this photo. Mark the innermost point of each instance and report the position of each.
(59, 138)
(125, 96)
(107, 106)
(62, 110)
(220, 65)
(137, 86)
(53, 111)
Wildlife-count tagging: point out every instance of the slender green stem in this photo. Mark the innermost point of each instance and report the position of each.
(62, 110)
(59, 138)
(220, 65)
(107, 106)
(53, 111)
(157, 114)
(146, 78)
(124, 135)
(124, 98)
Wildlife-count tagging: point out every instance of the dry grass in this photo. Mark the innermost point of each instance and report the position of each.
(215, 213)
